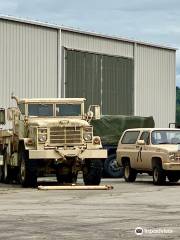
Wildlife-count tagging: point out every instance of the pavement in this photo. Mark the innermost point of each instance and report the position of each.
(129, 211)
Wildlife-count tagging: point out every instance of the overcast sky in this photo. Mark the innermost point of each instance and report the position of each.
(156, 21)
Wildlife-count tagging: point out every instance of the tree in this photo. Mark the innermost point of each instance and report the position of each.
(177, 104)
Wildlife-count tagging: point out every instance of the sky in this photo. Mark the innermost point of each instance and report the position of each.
(144, 20)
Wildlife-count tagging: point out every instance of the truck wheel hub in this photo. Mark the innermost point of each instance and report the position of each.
(155, 174)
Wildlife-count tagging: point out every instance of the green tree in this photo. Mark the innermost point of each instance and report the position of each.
(177, 104)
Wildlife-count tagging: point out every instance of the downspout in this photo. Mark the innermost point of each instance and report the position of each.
(59, 70)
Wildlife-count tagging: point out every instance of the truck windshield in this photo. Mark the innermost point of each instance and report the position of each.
(40, 110)
(68, 109)
(165, 137)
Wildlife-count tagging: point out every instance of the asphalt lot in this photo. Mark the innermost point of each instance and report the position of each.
(93, 214)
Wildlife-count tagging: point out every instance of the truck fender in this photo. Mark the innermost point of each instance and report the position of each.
(156, 161)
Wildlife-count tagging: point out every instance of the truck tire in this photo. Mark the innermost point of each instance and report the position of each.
(111, 169)
(5, 170)
(173, 177)
(159, 176)
(92, 172)
(2, 174)
(130, 174)
(27, 171)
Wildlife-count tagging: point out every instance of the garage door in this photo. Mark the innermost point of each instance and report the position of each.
(104, 80)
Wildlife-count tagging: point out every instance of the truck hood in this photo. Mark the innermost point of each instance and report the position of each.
(169, 147)
(61, 122)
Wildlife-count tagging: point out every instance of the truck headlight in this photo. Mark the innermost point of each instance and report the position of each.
(87, 137)
(42, 138)
(42, 135)
(172, 156)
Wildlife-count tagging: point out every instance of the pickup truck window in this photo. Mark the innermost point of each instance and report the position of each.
(145, 137)
(165, 137)
(130, 137)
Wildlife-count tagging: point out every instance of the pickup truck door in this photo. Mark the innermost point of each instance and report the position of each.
(128, 146)
(143, 156)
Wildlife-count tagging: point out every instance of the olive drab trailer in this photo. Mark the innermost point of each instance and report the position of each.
(50, 136)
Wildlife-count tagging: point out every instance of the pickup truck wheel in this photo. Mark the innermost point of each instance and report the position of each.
(27, 173)
(92, 172)
(173, 178)
(111, 169)
(159, 176)
(130, 174)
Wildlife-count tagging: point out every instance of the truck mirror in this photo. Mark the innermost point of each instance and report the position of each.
(141, 142)
(2, 116)
(94, 112)
(97, 111)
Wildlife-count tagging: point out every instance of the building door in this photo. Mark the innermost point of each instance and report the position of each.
(104, 80)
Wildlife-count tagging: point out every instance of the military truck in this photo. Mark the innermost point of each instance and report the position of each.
(50, 136)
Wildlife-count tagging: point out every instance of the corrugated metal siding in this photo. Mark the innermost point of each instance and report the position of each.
(155, 84)
(104, 80)
(96, 44)
(28, 61)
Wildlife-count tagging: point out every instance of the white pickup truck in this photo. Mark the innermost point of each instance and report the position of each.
(150, 150)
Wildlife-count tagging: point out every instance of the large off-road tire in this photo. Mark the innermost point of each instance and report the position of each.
(173, 177)
(111, 169)
(1, 174)
(1, 169)
(6, 175)
(28, 170)
(130, 174)
(92, 171)
(159, 176)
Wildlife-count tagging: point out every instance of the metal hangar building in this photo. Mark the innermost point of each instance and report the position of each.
(125, 77)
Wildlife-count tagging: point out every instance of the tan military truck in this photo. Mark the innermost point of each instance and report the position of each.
(150, 150)
(50, 136)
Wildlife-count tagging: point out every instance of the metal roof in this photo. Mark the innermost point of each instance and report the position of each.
(61, 27)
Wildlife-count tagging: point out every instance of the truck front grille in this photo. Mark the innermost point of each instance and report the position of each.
(65, 136)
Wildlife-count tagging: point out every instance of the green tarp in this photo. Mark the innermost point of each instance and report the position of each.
(111, 127)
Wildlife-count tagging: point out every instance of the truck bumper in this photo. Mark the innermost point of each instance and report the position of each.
(171, 166)
(57, 153)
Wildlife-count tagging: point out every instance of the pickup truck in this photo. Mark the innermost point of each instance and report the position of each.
(155, 151)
